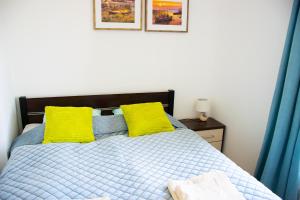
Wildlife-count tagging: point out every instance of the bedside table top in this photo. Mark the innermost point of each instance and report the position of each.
(197, 125)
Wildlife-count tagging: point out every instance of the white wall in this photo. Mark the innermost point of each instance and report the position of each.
(8, 125)
(231, 52)
(8, 121)
(248, 52)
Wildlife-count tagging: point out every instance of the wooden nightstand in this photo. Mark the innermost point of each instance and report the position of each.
(211, 130)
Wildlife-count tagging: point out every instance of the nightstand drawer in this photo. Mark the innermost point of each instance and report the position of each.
(217, 145)
(214, 135)
(211, 130)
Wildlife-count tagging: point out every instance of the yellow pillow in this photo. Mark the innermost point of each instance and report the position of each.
(68, 124)
(146, 119)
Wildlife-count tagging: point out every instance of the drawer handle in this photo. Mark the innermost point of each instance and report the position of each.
(209, 137)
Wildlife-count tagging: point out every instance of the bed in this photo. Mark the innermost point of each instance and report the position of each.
(115, 165)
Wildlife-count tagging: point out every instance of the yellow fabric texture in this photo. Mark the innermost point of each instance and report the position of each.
(146, 119)
(68, 124)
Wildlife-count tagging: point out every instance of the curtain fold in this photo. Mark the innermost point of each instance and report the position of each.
(278, 166)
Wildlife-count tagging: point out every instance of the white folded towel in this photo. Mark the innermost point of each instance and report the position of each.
(209, 186)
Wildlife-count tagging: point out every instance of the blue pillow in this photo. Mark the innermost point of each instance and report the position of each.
(116, 123)
(109, 124)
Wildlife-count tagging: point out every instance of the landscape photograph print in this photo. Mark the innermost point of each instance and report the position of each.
(167, 15)
(118, 11)
(167, 12)
(117, 14)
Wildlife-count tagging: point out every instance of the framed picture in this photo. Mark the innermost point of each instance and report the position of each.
(118, 14)
(167, 15)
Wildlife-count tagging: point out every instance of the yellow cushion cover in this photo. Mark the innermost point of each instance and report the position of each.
(68, 124)
(146, 119)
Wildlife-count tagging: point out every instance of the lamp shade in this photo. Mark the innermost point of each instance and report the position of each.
(202, 105)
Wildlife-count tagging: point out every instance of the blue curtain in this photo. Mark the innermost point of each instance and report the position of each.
(278, 166)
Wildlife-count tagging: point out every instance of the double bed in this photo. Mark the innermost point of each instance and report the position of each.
(115, 165)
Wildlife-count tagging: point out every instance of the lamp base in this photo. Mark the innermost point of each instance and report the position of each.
(203, 117)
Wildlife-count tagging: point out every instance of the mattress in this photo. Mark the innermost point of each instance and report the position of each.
(118, 167)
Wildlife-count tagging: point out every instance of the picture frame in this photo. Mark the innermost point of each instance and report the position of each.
(167, 15)
(118, 14)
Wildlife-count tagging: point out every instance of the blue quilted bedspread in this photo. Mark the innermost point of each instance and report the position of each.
(118, 167)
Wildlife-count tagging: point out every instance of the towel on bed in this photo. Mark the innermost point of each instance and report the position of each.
(209, 186)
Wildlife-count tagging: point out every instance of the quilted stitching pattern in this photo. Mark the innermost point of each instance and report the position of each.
(118, 167)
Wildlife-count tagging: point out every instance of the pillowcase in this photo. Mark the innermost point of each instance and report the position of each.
(29, 127)
(96, 112)
(146, 119)
(108, 124)
(68, 124)
(117, 111)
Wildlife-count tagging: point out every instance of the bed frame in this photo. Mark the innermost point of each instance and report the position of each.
(32, 109)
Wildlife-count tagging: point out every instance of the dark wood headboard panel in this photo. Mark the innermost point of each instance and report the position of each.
(32, 109)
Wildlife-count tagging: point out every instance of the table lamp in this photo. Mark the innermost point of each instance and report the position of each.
(202, 106)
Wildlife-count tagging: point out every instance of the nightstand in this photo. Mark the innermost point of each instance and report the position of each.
(212, 130)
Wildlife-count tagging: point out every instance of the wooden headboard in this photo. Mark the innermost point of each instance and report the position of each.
(32, 109)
